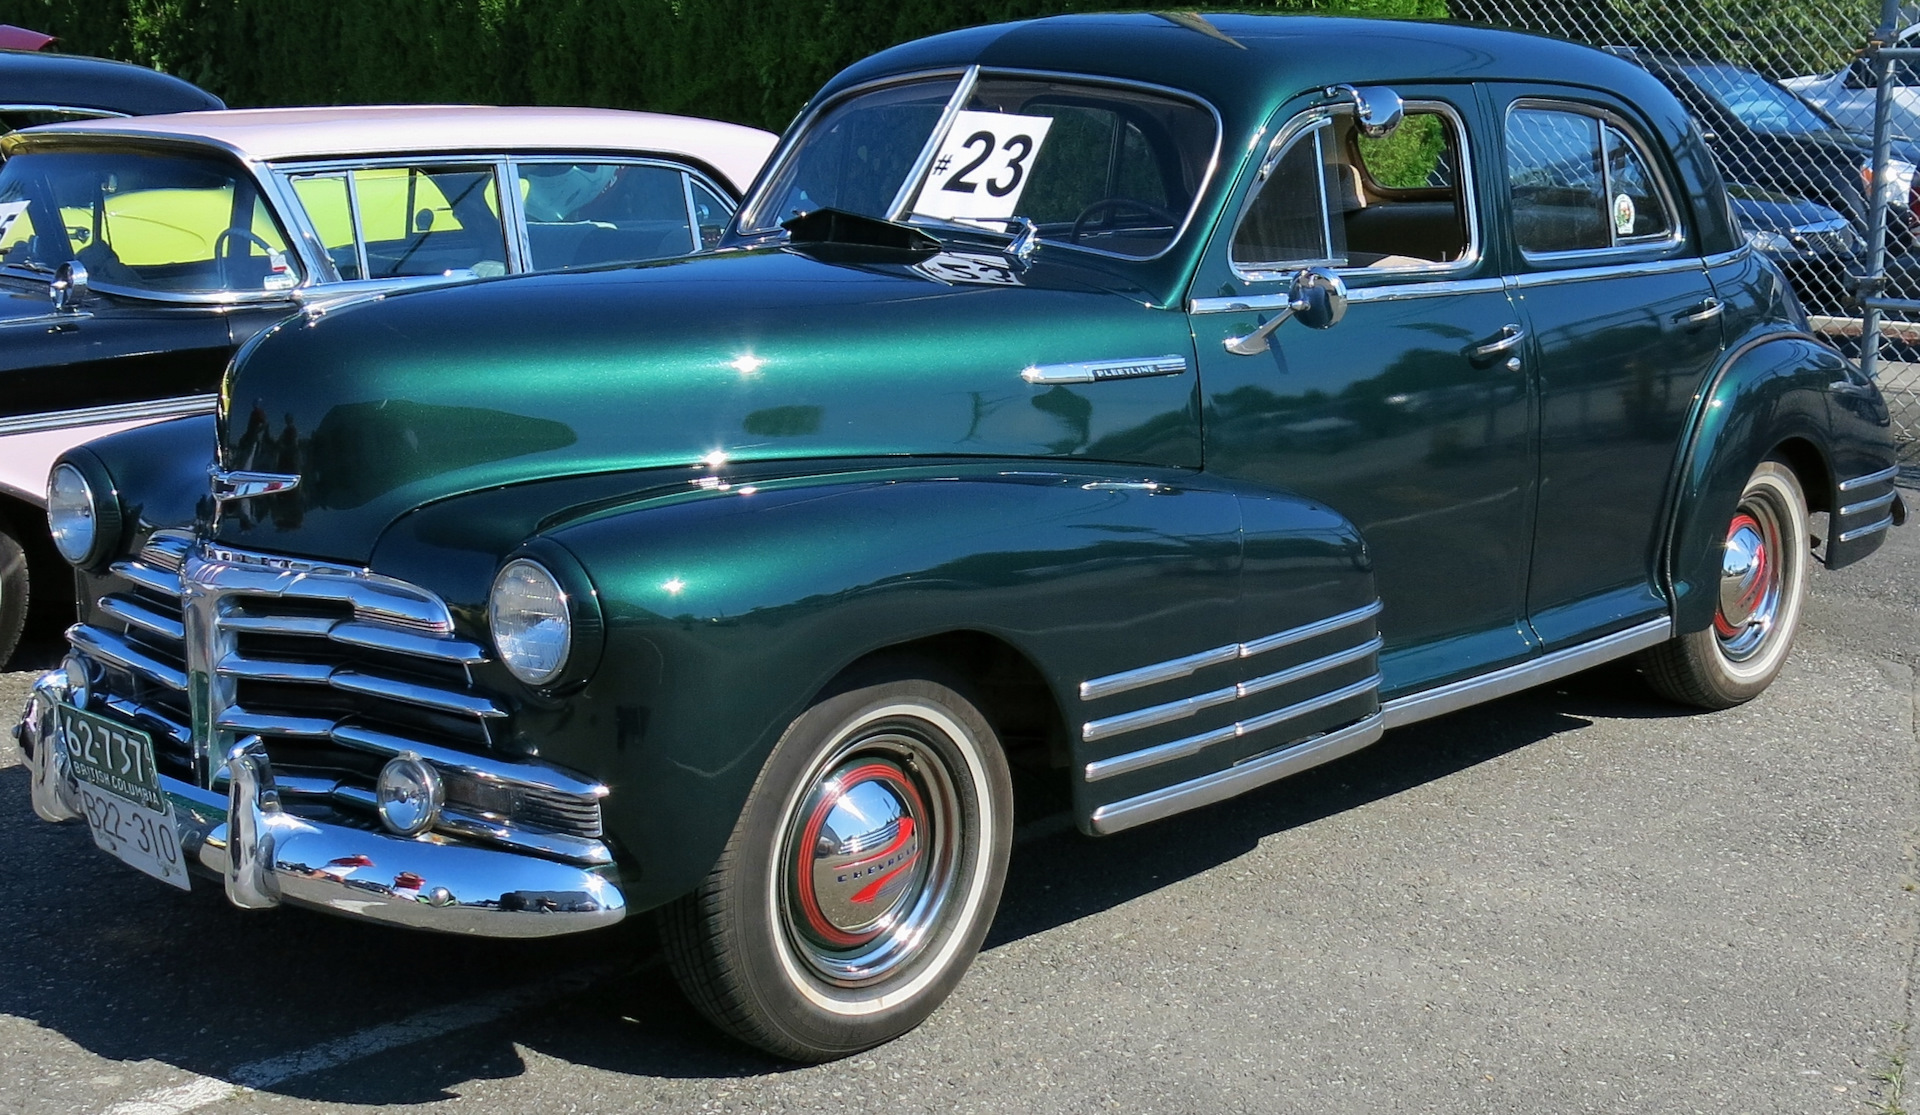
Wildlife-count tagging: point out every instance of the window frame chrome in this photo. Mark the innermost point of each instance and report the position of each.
(749, 208)
(687, 176)
(1320, 116)
(287, 170)
(1675, 238)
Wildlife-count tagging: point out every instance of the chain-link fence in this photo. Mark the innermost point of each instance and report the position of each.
(1788, 95)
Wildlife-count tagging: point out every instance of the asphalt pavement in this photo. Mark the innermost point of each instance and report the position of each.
(1578, 899)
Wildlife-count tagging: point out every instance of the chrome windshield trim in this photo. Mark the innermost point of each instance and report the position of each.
(1862, 532)
(1193, 745)
(1887, 473)
(1237, 779)
(1865, 505)
(1109, 684)
(1101, 371)
(956, 102)
(1471, 691)
(115, 412)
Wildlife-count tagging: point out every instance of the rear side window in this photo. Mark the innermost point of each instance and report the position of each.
(585, 213)
(1581, 183)
(1335, 196)
(398, 221)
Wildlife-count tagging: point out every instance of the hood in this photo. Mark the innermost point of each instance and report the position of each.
(697, 365)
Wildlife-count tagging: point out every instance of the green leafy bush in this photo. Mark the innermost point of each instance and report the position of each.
(753, 62)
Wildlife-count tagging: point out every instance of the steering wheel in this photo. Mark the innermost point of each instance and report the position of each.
(1118, 205)
(220, 243)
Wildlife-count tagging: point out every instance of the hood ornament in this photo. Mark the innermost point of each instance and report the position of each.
(230, 486)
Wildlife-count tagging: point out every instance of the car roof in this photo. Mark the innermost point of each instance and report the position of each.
(75, 81)
(1247, 65)
(294, 134)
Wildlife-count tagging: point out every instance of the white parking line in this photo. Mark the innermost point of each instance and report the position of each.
(204, 1091)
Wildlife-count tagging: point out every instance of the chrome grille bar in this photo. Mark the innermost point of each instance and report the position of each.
(137, 615)
(105, 647)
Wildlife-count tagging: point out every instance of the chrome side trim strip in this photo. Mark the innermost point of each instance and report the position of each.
(1109, 684)
(1394, 292)
(1156, 714)
(1310, 631)
(1870, 478)
(1471, 691)
(1722, 259)
(1161, 671)
(1100, 371)
(1608, 271)
(1308, 669)
(1874, 504)
(115, 651)
(100, 416)
(1862, 532)
(1193, 745)
(136, 615)
(1236, 779)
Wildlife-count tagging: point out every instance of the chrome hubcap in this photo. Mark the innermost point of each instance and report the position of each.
(870, 857)
(1750, 581)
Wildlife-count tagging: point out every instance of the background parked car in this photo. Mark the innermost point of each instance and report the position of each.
(1818, 247)
(48, 88)
(1847, 94)
(167, 241)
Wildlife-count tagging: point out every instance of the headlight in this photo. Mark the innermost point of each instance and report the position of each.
(81, 515)
(1771, 242)
(532, 626)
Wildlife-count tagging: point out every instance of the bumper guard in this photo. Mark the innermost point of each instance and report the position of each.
(267, 856)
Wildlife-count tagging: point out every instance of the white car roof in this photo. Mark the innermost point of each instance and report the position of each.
(286, 134)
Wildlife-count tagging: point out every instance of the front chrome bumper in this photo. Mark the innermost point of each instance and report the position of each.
(267, 856)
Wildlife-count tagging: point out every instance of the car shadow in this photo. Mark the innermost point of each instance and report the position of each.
(131, 970)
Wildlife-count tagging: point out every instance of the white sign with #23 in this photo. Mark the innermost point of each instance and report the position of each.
(982, 166)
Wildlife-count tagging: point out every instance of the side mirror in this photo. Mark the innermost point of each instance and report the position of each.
(1378, 109)
(68, 288)
(1318, 297)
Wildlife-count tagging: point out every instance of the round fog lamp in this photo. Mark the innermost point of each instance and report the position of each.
(409, 795)
(70, 513)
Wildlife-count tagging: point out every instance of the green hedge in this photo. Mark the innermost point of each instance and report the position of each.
(752, 62)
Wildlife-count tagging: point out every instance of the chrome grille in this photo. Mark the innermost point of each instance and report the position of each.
(338, 670)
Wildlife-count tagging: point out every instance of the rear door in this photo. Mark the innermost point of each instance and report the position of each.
(1623, 326)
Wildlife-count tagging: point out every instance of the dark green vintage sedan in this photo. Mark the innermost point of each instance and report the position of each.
(1134, 409)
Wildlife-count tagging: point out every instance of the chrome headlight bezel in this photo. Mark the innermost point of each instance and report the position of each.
(83, 511)
(544, 585)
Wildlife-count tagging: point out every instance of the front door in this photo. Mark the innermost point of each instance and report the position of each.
(1413, 416)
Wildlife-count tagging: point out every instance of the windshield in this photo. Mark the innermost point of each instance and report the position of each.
(1102, 167)
(163, 223)
(1756, 102)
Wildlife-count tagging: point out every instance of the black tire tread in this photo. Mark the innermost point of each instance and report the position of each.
(16, 596)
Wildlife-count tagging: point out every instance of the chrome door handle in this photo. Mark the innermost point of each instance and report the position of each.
(1509, 339)
(1704, 312)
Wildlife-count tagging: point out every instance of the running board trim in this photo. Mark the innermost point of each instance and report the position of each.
(1525, 675)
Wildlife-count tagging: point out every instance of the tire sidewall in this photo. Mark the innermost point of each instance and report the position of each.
(14, 595)
(1738, 681)
(808, 1012)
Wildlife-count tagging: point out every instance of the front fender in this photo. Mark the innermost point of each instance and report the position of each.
(1772, 392)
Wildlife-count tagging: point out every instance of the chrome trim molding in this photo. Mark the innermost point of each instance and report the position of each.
(1153, 715)
(102, 415)
(1862, 532)
(1109, 684)
(1608, 271)
(229, 486)
(1870, 478)
(1100, 371)
(1525, 675)
(1238, 779)
(1865, 505)
(1391, 292)
(1193, 745)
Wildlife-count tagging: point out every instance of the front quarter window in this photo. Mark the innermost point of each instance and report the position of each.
(1107, 168)
(156, 223)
